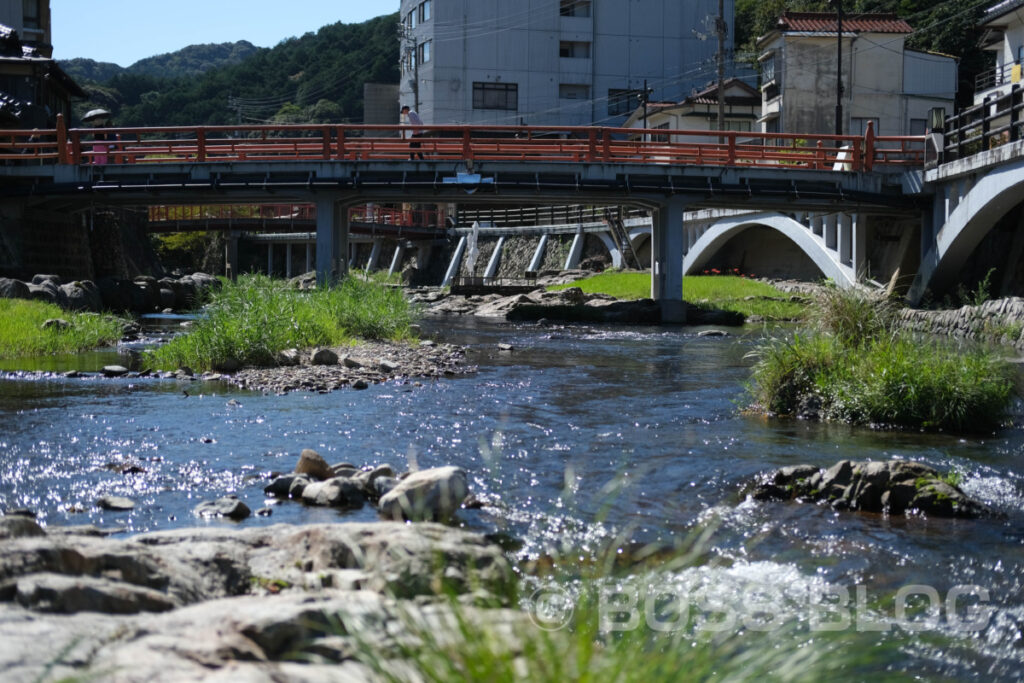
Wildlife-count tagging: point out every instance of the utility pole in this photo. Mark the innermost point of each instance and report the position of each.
(645, 97)
(722, 29)
(409, 47)
(839, 67)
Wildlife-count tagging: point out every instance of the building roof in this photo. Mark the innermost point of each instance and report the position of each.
(819, 22)
(737, 94)
(1000, 9)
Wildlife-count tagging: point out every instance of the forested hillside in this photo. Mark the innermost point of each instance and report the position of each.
(317, 77)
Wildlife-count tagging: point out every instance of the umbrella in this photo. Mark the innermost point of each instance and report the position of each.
(96, 114)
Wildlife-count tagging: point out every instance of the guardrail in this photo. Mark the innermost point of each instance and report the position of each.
(200, 144)
(983, 126)
(284, 213)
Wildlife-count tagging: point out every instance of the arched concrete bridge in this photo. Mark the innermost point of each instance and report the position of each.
(818, 193)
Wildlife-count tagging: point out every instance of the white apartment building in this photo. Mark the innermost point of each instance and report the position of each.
(1003, 34)
(552, 62)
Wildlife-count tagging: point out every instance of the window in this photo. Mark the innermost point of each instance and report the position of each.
(621, 102)
(30, 12)
(859, 124)
(738, 126)
(661, 138)
(574, 8)
(918, 127)
(768, 69)
(425, 11)
(504, 96)
(423, 52)
(574, 49)
(567, 91)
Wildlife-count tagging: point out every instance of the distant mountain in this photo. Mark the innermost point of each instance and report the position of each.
(194, 59)
(315, 78)
(89, 70)
(188, 61)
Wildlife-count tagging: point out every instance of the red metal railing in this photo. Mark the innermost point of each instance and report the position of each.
(243, 213)
(200, 144)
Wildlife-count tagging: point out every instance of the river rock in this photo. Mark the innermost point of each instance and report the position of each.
(46, 292)
(288, 357)
(323, 357)
(226, 506)
(336, 492)
(281, 487)
(312, 463)
(433, 494)
(13, 289)
(82, 295)
(58, 324)
(116, 503)
(16, 526)
(368, 478)
(114, 371)
(892, 487)
(388, 366)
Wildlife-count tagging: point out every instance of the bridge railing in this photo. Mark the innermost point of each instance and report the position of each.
(264, 143)
(984, 126)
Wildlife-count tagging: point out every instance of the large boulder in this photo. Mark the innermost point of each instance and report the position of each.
(891, 487)
(313, 464)
(433, 494)
(13, 289)
(335, 492)
(82, 295)
(116, 293)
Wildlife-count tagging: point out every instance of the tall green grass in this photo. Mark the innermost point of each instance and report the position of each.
(251, 320)
(22, 334)
(854, 366)
(725, 292)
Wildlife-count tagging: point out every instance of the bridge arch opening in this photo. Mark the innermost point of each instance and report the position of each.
(763, 251)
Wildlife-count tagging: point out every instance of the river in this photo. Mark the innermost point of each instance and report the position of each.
(579, 436)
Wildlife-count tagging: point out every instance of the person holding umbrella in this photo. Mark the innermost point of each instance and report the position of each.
(99, 119)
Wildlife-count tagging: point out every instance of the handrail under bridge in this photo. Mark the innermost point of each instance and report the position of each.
(269, 143)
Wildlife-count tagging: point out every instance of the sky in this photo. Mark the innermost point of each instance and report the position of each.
(125, 31)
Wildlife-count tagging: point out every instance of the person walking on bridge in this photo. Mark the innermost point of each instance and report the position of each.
(415, 123)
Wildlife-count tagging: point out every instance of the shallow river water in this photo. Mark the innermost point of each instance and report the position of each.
(578, 436)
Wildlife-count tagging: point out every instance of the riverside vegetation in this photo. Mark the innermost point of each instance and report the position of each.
(853, 365)
(34, 328)
(724, 292)
(249, 321)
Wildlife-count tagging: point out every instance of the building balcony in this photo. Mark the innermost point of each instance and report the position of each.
(989, 82)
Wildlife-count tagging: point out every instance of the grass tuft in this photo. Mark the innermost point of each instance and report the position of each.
(251, 320)
(22, 334)
(852, 366)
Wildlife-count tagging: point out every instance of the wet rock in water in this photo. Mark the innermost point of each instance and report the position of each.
(344, 470)
(114, 371)
(323, 357)
(388, 366)
(226, 506)
(360, 384)
(368, 478)
(116, 503)
(713, 333)
(265, 512)
(281, 486)
(298, 485)
(21, 512)
(336, 492)
(383, 485)
(433, 494)
(892, 487)
(505, 347)
(18, 526)
(312, 463)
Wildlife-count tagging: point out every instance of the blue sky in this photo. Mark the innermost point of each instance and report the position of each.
(125, 31)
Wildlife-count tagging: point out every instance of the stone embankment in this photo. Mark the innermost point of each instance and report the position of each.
(219, 603)
(893, 487)
(141, 295)
(998, 320)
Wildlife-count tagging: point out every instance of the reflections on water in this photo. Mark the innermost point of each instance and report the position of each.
(579, 436)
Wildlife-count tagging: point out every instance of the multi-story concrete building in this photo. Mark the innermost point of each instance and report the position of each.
(1003, 34)
(553, 62)
(31, 20)
(884, 82)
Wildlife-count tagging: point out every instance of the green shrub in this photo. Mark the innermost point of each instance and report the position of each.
(254, 318)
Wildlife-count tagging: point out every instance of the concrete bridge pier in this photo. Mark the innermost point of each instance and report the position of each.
(331, 240)
(371, 263)
(667, 244)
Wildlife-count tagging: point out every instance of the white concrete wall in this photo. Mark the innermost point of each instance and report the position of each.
(496, 41)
